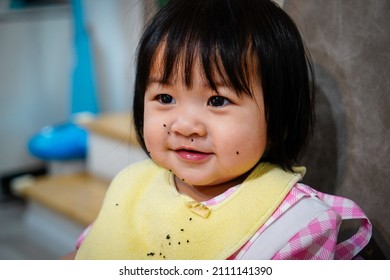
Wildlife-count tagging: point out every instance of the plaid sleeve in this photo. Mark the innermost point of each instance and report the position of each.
(82, 236)
(348, 210)
(317, 241)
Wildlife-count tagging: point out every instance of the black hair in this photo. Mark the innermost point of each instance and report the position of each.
(225, 36)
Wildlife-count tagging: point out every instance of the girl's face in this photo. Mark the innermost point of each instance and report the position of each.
(209, 141)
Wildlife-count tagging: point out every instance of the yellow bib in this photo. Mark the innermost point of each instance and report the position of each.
(144, 217)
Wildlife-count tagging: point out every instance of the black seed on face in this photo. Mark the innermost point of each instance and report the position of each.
(178, 243)
(190, 219)
(188, 241)
(150, 254)
(182, 229)
(160, 254)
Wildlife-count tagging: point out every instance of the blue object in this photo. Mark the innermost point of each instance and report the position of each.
(83, 95)
(68, 141)
(65, 141)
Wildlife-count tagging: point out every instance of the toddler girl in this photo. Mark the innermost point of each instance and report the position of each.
(223, 106)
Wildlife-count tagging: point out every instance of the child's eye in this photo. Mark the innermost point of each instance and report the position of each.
(218, 101)
(165, 99)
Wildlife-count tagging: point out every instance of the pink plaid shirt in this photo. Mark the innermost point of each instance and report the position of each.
(316, 240)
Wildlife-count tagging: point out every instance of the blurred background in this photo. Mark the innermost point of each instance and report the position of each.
(47, 201)
(38, 58)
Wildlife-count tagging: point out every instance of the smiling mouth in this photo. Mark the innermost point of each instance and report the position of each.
(192, 155)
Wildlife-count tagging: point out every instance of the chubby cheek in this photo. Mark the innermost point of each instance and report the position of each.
(155, 134)
(151, 135)
(245, 145)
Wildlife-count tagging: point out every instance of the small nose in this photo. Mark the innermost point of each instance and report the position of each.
(189, 124)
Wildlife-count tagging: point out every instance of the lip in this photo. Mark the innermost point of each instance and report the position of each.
(192, 155)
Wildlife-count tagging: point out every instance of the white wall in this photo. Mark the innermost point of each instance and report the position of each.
(115, 28)
(34, 79)
(36, 59)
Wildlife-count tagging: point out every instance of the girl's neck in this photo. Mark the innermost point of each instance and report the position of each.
(205, 193)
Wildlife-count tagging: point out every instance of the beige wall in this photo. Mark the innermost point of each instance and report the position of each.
(349, 41)
(36, 60)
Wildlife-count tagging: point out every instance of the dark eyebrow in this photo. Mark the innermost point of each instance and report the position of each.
(154, 80)
(222, 84)
(157, 80)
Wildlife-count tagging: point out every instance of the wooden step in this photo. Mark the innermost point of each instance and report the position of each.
(117, 126)
(77, 196)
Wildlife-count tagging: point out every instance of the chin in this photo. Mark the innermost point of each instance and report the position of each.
(192, 181)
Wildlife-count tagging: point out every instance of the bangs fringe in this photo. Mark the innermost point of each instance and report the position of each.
(222, 58)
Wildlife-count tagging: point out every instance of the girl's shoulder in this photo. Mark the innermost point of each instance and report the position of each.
(307, 225)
